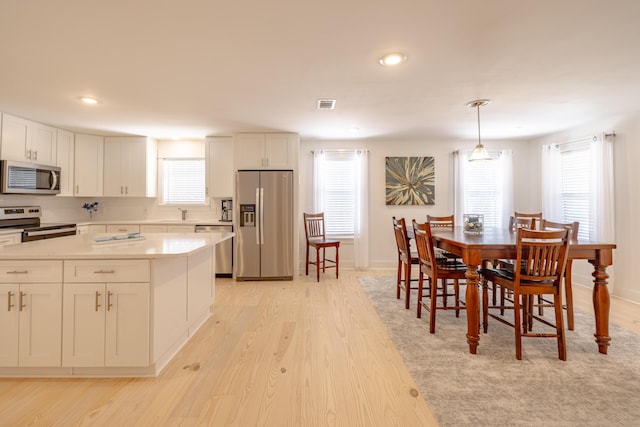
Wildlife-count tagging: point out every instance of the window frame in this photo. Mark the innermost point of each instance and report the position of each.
(161, 183)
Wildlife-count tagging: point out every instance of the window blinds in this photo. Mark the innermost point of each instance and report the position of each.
(183, 181)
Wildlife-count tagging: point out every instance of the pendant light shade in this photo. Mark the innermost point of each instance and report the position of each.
(479, 153)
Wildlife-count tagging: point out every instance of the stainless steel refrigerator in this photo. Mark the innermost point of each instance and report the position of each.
(264, 225)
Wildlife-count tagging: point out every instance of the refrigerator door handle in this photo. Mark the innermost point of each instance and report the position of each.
(258, 232)
(262, 216)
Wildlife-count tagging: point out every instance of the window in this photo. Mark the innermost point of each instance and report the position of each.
(183, 181)
(575, 186)
(337, 197)
(486, 188)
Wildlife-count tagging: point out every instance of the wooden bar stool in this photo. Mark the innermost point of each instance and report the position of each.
(316, 238)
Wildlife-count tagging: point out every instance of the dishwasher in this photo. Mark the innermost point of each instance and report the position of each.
(224, 250)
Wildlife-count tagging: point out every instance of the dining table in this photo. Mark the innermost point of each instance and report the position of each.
(500, 243)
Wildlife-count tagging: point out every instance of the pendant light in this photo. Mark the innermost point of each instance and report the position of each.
(479, 153)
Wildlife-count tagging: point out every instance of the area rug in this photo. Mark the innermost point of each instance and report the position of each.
(493, 388)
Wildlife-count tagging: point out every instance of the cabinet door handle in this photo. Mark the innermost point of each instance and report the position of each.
(77, 189)
(104, 272)
(109, 305)
(35, 154)
(18, 272)
(9, 305)
(28, 154)
(121, 190)
(126, 189)
(20, 301)
(97, 300)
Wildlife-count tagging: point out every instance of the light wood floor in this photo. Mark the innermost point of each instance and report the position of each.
(273, 354)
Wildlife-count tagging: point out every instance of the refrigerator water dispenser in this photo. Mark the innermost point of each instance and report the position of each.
(248, 215)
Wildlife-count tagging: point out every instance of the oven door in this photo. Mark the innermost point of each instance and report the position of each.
(25, 178)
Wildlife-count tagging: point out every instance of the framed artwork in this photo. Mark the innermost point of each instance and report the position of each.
(410, 180)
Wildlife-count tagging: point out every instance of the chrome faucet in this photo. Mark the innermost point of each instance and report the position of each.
(184, 213)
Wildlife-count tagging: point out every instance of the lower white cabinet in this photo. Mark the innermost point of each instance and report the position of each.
(105, 324)
(10, 239)
(91, 229)
(30, 324)
(123, 228)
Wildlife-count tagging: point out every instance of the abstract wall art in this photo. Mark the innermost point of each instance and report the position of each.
(410, 180)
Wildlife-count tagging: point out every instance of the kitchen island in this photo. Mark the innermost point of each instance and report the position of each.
(70, 307)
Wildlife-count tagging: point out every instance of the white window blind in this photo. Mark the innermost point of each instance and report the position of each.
(183, 181)
(483, 190)
(339, 193)
(575, 186)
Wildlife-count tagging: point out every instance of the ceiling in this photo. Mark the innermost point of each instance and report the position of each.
(191, 68)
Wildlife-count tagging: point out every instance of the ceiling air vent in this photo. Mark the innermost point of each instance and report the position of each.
(326, 104)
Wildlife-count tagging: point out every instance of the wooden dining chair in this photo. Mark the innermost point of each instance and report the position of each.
(568, 288)
(437, 270)
(406, 260)
(542, 258)
(443, 222)
(534, 217)
(316, 238)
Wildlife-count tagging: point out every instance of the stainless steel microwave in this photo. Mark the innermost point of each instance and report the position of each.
(27, 178)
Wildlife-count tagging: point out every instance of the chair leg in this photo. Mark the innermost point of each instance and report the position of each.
(407, 284)
(323, 259)
(516, 324)
(562, 345)
(399, 278)
(568, 291)
(337, 261)
(420, 291)
(306, 266)
(317, 264)
(432, 305)
(456, 293)
(445, 296)
(485, 304)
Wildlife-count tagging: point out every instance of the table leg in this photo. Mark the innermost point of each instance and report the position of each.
(601, 305)
(473, 308)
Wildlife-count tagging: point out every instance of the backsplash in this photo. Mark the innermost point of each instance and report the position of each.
(61, 209)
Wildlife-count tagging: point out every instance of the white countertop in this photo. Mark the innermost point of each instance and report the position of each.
(154, 245)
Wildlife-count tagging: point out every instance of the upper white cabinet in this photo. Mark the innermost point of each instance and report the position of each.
(88, 165)
(27, 141)
(65, 160)
(265, 151)
(130, 166)
(219, 168)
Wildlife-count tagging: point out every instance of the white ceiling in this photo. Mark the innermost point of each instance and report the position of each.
(190, 68)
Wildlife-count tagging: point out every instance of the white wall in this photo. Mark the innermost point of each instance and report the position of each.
(382, 244)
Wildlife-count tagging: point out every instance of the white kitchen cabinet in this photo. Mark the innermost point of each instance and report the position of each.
(88, 161)
(91, 228)
(152, 228)
(31, 314)
(180, 228)
(130, 166)
(219, 166)
(105, 324)
(172, 228)
(123, 228)
(106, 313)
(65, 160)
(265, 151)
(28, 141)
(10, 239)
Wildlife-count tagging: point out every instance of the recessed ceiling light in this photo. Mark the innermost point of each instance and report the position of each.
(391, 59)
(89, 100)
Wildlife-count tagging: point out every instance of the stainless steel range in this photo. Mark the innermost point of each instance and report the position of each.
(27, 218)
